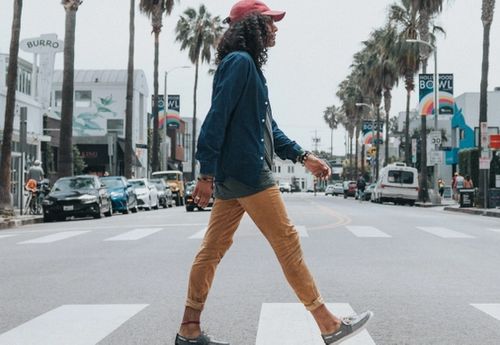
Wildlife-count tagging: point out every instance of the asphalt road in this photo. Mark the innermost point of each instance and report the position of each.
(430, 277)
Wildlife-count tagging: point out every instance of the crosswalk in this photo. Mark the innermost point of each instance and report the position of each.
(358, 231)
(89, 324)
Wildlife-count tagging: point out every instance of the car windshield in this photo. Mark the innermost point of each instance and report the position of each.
(138, 183)
(168, 176)
(77, 183)
(113, 182)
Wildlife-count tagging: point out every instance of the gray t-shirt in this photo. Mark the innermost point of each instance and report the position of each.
(231, 188)
(35, 173)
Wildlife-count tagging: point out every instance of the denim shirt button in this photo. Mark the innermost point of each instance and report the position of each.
(261, 158)
(263, 120)
(265, 102)
(262, 140)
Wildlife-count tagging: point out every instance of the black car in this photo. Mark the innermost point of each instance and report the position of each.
(77, 196)
(122, 194)
(189, 201)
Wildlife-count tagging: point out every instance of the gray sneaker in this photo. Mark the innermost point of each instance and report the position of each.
(203, 339)
(350, 326)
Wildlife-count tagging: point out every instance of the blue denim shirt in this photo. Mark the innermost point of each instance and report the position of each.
(231, 141)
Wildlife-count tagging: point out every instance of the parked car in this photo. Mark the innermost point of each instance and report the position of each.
(329, 190)
(285, 187)
(338, 189)
(349, 189)
(397, 183)
(164, 193)
(369, 191)
(122, 194)
(189, 200)
(175, 179)
(147, 195)
(78, 196)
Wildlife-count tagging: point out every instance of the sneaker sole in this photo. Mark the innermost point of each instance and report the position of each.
(355, 332)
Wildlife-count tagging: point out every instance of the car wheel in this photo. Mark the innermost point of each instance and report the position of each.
(47, 218)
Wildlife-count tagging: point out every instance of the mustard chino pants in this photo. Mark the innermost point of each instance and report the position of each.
(268, 212)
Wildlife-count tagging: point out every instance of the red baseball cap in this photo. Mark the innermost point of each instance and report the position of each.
(245, 7)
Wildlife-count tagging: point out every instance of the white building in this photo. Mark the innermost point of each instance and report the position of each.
(24, 99)
(99, 118)
(293, 173)
(188, 144)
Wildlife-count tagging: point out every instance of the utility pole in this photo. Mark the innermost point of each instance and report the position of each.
(316, 141)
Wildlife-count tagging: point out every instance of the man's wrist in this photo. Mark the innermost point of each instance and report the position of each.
(302, 158)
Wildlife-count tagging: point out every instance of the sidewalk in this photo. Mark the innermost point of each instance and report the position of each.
(18, 220)
(489, 212)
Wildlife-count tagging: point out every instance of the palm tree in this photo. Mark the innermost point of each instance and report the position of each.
(127, 161)
(406, 18)
(5, 164)
(488, 9)
(154, 9)
(331, 117)
(199, 33)
(65, 158)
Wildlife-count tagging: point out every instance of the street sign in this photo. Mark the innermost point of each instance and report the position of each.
(484, 163)
(414, 150)
(484, 134)
(435, 157)
(435, 140)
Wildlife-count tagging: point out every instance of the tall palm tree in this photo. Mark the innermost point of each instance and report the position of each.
(65, 158)
(155, 9)
(129, 151)
(5, 164)
(488, 9)
(406, 18)
(199, 33)
(331, 117)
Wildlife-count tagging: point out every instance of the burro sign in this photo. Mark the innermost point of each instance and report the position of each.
(43, 44)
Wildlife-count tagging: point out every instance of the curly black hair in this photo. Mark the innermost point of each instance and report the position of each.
(250, 34)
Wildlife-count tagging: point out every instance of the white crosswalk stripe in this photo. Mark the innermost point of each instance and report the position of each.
(301, 230)
(444, 232)
(134, 235)
(72, 324)
(54, 237)
(6, 236)
(492, 309)
(292, 324)
(366, 231)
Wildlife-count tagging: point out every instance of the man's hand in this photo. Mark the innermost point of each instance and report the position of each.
(203, 192)
(317, 167)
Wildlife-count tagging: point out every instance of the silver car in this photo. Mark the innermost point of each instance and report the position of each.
(147, 194)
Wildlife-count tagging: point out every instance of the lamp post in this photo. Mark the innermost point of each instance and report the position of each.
(165, 106)
(436, 198)
(370, 106)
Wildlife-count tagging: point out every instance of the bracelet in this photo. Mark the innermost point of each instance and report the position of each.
(303, 157)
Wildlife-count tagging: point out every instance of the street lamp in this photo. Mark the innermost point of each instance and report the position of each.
(165, 106)
(370, 106)
(436, 112)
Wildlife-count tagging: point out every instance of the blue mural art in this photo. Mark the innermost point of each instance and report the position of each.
(466, 140)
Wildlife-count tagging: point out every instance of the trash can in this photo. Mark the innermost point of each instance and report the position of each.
(467, 197)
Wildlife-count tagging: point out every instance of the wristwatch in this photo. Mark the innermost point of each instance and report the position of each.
(302, 157)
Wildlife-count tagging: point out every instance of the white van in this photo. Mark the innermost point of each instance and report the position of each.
(397, 183)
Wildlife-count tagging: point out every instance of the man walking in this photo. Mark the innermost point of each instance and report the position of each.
(236, 146)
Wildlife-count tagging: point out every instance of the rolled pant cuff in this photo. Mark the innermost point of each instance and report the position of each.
(318, 302)
(194, 305)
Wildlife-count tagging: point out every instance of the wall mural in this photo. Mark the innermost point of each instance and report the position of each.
(87, 123)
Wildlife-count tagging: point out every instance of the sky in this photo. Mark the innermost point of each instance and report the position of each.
(315, 44)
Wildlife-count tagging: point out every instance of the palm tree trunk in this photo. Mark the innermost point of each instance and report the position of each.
(407, 128)
(488, 6)
(5, 164)
(65, 159)
(193, 146)
(156, 123)
(357, 151)
(387, 108)
(351, 155)
(377, 144)
(129, 151)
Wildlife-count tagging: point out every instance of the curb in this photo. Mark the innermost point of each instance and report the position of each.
(15, 223)
(473, 211)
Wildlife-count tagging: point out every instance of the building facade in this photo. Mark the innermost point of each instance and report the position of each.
(99, 118)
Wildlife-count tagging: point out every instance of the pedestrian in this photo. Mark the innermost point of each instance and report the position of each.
(36, 172)
(458, 183)
(468, 182)
(441, 187)
(235, 149)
